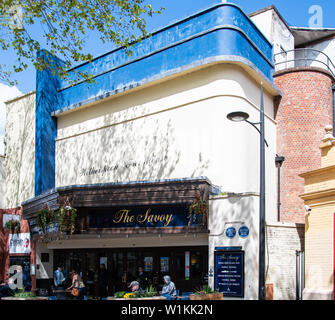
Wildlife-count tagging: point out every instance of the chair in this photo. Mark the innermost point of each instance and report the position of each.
(52, 298)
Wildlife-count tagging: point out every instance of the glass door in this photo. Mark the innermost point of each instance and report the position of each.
(118, 276)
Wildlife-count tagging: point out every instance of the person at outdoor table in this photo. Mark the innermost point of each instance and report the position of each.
(102, 281)
(135, 286)
(5, 290)
(169, 288)
(78, 283)
(59, 278)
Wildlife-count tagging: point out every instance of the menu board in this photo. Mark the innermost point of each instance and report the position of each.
(229, 273)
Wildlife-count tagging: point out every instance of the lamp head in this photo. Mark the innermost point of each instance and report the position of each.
(238, 116)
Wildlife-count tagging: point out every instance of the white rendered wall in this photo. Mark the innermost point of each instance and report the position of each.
(19, 164)
(319, 60)
(45, 270)
(277, 32)
(176, 129)
(236, 211)
(2, 183)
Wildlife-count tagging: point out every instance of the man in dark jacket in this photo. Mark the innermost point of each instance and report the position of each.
(141, 278)
(102, 281)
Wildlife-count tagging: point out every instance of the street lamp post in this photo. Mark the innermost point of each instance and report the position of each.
(242, 116)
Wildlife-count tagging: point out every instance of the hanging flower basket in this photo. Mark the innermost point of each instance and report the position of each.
(45, 217)
(67, 219)
(199, 207)
(13, 226)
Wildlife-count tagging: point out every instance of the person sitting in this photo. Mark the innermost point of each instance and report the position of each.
(78, 283)
(169, 289)
(135, 287)
(5, 290)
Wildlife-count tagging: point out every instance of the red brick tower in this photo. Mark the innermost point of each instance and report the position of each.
(305, 109)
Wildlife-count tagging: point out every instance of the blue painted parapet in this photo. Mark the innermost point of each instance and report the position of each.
(47, 101)
(221, 33)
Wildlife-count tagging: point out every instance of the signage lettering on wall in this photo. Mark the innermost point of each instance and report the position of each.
(159, 217)
(19, 243)
(229, 273)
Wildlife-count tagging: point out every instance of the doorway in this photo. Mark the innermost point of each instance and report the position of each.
(187, 266)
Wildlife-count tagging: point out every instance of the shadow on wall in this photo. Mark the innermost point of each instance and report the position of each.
(237, 211)
(147, 148)
(19, 163)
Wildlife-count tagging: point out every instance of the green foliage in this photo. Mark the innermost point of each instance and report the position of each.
(45, 217)
(67, 219)
(150, 292)
(13, 226)
(119, 294)
(64, 26)
(22, 294)
(205, 289)
(198, 207)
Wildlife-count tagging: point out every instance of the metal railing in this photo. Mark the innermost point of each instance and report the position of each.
(304, 57)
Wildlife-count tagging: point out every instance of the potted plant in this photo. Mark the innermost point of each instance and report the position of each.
(206, 293)
(13, 226)
(199, 207)
(24, 295)
(45, 217)
(67, 219)
(149, 294)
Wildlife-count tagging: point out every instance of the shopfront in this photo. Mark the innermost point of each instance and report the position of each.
(186, 266)
(152, 227)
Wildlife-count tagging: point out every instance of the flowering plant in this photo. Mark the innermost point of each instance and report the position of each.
(129, 295)
(45, 217)
(67, 219)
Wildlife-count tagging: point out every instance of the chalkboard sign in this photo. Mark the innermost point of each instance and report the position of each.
(229, 273)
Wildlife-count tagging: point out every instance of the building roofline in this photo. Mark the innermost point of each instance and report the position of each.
(268, 8)
(174, 23)
(20, 97)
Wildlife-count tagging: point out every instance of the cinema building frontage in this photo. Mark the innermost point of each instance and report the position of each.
(133, 151)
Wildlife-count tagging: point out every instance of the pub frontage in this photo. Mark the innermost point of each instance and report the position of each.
(151, 219)
(142, 166)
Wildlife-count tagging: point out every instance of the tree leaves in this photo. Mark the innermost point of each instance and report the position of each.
(64, 25)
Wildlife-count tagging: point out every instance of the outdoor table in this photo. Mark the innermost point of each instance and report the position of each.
(62, 294)
(33, 298)
(130, 299)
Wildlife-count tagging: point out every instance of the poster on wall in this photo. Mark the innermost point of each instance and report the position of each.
(229, 273)
(148, 264)
(165, 264)
(19, 243)
(187, 265)
(103, 260)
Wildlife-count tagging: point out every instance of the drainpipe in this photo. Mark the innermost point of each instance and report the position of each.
(279, 162)
(333, 88)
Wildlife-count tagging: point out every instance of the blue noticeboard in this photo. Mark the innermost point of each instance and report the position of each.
(229, 273)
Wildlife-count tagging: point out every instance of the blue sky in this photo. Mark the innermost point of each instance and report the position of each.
(295, 12)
